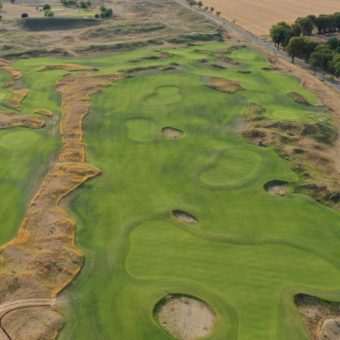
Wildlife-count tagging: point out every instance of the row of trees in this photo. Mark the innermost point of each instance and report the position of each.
(323, 55)
(305, 26)
(75, 3)
(200, 5)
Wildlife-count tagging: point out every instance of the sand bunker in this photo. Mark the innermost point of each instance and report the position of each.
(172, 133)
(184, 217)
(9, 120)
(66, 67)
(44, 112)
(6, 66)
(277, 188)
(331, 329)
(185, 317)
(298, 98)
(16, 99)
(224, 85)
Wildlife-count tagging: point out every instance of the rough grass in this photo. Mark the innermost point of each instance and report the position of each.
(249, 253)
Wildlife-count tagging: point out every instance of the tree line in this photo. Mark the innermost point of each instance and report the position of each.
(294, 39)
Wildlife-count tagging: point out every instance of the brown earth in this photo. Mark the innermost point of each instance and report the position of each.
(224, 85)
(9, 120)
(67, 67)
(43, 258)
(319, 316)
(184, 317)
(16, 99)
(258, 16)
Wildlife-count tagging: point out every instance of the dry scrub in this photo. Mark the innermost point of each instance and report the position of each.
(224, 85)
(184, 317)
(43, 258)
(7, 67)
(320, 317)
(308, 146)
(9, 120)
(16, 99)
(298, 98)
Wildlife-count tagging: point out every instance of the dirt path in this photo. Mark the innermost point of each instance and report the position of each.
(8, 307)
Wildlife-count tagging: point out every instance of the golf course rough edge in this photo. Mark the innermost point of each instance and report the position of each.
(43, 258)
(185, 317)
(9, 120)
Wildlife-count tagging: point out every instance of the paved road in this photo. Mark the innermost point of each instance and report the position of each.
(8, 307)
(264, 44)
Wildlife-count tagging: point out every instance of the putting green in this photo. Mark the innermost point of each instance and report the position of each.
(19, 139)
(250, 252)
(164, 95)
(141, 130)
(232, 167)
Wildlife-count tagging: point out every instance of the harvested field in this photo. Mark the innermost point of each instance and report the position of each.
(185, 317)
(258, 16)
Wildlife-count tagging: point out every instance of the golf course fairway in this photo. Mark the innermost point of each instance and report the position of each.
(250, 251)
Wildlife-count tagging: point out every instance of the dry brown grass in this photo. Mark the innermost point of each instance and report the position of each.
(258, 16)
(7, 67)
(43, 258)
(16, 99)
(9, 120)
(44, 112)
(224, 85)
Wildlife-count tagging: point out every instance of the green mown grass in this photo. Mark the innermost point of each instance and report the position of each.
(250, 251)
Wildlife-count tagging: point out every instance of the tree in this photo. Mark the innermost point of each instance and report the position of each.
(49, 14)
(192, 2)
(280, 34)
(83, 4)
(1, 5)
(337, 20)
(212, 9)
(295, 47)
(295, 30)
(218, 13)
(306, 25)
(206, 8)
(97, 16)
(24, 15)
(46, 7)
(200, 4)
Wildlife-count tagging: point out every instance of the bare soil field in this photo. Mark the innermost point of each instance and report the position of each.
(258, 16)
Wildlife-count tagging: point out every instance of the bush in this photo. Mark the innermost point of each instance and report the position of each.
(47, 7)
(24, 15)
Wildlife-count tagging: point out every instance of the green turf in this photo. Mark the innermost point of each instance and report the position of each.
(250, 252)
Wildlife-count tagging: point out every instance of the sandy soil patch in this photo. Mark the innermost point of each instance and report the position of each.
(184, 317)
(9, 120)
(16, 99)
(184, 217)
(258, 16)
(44, 112)
(67, 67)
(224, 85)
(277, 188)
(172, 133)
(331, 329)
